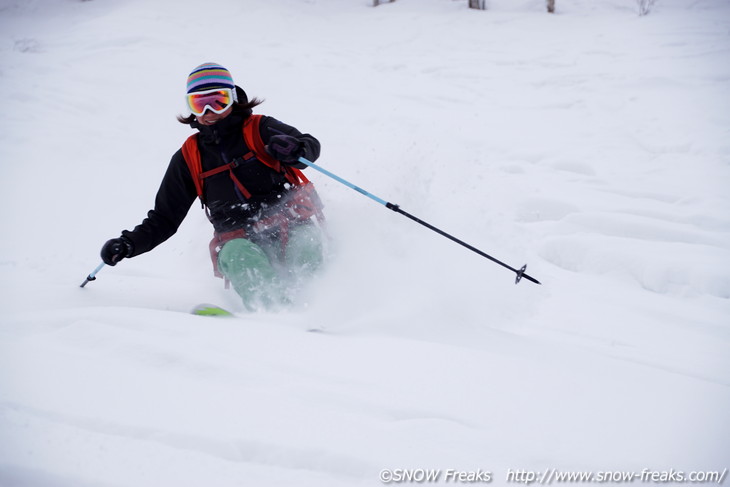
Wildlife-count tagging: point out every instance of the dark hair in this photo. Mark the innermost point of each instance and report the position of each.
(243, 106)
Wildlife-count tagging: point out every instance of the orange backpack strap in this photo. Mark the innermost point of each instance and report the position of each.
(299, 175)
(252, 137)
(191, 154)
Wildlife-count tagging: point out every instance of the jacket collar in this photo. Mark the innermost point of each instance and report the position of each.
(222, 130)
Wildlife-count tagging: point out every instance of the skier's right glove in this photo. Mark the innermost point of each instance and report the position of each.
(116, 249)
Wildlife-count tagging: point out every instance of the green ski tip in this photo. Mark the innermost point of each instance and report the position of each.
(210, 310)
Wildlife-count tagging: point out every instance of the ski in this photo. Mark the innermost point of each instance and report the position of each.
(210, 310)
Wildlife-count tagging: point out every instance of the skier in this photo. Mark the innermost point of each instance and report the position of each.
(245, 170)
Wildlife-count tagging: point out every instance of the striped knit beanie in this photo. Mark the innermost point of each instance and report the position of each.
(209, 76)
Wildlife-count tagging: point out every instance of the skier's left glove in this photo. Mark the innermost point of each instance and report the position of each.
(285, 148)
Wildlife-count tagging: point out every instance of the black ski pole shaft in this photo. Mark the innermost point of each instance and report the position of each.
(92, 276)
(520, 273)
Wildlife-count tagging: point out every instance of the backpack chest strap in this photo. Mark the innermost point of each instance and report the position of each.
(229, 167)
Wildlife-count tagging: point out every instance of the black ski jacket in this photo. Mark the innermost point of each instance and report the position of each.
(228, 209)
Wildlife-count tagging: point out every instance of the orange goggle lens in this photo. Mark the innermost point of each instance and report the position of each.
(217, 101)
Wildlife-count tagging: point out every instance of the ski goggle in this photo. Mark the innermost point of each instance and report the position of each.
(217, 100)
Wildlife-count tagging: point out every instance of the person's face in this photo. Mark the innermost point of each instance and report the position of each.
(211, 118)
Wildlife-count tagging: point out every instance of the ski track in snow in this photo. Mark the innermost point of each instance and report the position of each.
(592, 144)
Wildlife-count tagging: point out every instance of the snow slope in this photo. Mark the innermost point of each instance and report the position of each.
(592, 144)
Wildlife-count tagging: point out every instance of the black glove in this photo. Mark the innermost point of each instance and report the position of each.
(116, 249)
(285, 148)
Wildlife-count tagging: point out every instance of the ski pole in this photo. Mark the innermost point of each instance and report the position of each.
(92, 276)
(520, 273)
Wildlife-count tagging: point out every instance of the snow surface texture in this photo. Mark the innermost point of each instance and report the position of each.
(593, 144)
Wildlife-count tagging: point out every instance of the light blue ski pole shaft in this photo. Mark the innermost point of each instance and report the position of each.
(98, 268)
(343, 181)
